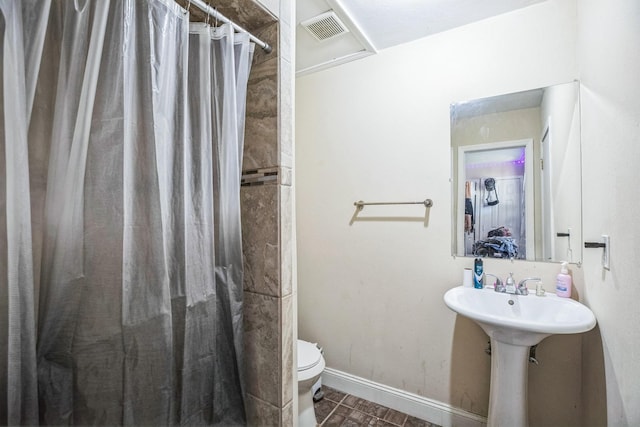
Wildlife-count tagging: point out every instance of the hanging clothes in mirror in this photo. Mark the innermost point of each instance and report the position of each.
(469, 220)
(492, 194)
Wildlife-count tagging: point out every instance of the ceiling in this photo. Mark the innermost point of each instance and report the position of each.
(499, 104)
(374, 25)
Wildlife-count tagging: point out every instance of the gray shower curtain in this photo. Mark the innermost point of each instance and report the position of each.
(121, 143)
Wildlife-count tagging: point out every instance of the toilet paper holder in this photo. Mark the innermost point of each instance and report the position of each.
(606, 247)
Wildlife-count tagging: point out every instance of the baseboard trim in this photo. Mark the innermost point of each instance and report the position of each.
(427, 409)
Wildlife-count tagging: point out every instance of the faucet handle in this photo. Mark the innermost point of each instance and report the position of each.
(522, 285)
(498, 286)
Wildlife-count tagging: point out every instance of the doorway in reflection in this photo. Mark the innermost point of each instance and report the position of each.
(496, 208)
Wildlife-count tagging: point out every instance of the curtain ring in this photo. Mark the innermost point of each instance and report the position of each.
(189, 7)
(216, 17)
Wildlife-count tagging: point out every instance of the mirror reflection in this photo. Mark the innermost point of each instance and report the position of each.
(516, 175)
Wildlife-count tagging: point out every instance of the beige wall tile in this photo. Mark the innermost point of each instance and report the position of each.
(287, 349)
(285, 117)
(261, 413)
(286, 240)
(260, 240)
(262, 347)
(261, 130)
(267, 34)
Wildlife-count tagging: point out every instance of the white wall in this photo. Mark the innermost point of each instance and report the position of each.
(377, 129)
(609, 55)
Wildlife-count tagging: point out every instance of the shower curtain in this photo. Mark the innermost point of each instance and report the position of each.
(121, 140)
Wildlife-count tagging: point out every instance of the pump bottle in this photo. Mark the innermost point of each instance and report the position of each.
(563, 282)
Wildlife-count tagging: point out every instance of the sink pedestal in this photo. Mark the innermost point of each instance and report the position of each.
(509, 374)
(508, 391)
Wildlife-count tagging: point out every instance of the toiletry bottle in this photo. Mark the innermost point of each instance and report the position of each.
(510, 284)
(478, 274)
(539, 289)
(467, 278)
(563, 282)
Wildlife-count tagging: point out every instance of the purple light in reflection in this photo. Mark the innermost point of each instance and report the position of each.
(494, 164)
(516, 162)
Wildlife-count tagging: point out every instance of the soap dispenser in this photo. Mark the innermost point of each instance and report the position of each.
(510, 284)
(563, 282)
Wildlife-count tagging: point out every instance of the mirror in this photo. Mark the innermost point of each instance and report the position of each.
(516, 175)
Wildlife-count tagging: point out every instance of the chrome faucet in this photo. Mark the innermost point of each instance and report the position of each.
(509, 287)
(498, 286)
(522, 285)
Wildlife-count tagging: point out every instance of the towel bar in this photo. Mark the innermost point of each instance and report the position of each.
(360, 204)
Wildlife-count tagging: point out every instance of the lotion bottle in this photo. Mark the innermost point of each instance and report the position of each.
(563, 282)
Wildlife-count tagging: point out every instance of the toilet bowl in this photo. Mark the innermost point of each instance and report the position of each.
(310, 367)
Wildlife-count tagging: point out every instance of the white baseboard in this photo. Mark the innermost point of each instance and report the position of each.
(430, 410)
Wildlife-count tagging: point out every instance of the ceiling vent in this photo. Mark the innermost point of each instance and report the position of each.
(325, 26)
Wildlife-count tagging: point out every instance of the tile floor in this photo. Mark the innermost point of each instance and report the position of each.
(341, 409)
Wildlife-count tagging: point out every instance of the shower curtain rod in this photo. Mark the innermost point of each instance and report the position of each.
(217, 15)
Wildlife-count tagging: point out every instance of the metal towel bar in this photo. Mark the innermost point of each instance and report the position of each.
(360, 204)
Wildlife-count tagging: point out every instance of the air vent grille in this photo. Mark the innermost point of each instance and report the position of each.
(325, 26)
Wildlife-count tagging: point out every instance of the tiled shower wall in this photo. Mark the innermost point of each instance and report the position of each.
(267, 229)
(267, 207)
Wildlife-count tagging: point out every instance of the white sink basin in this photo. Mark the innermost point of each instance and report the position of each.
(514, 323)
(519, 316)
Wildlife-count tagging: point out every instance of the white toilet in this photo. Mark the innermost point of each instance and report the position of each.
(310, 367)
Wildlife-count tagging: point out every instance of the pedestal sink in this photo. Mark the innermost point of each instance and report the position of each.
(515, 323)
